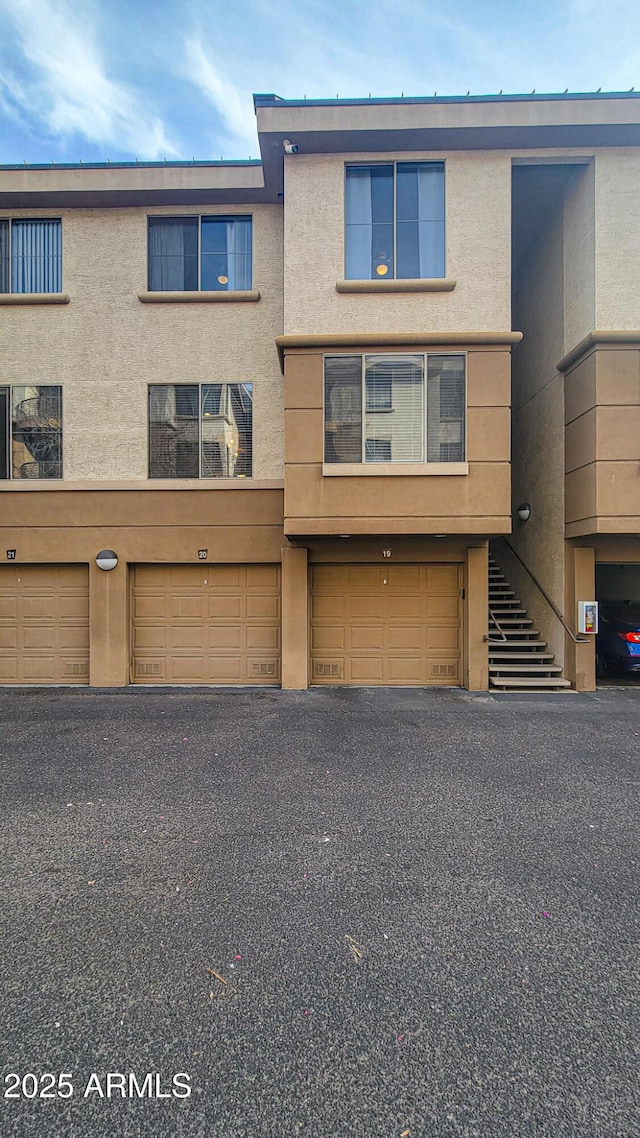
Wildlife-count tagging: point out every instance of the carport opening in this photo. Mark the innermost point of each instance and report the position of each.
(618, 639)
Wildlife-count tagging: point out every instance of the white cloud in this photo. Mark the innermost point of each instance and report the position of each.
(233, 105)
(65, 85)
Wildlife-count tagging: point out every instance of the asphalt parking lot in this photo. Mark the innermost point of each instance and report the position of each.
(340, 913)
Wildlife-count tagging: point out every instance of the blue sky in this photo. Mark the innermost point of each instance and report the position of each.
(93, 80)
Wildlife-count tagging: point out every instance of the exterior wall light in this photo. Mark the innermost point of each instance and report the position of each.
(524, 511)
(106, 559)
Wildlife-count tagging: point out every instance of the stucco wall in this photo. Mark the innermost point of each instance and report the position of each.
(617, 177)
(478, 236)
(105, 346)
(579, 257)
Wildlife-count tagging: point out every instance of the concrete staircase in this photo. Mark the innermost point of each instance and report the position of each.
(518, 660)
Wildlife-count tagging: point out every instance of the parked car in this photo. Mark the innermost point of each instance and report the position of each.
(618, 638)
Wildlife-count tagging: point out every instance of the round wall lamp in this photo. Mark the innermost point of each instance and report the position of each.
(106, 559)
(524, 511)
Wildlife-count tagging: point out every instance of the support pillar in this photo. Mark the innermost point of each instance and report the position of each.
(295, 619)
(476, 607)
(108, 627)
(580, 659)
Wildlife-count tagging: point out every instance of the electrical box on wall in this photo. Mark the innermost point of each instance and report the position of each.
(588, 616)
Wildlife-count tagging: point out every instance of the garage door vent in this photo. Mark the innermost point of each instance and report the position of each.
(322, 668)
(266, 669)
(444, 669)
(79, 669)
(151, 669)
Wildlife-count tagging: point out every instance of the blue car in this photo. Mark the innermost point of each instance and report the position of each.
(618, 638)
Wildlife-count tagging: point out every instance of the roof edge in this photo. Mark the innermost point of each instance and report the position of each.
(533, 96)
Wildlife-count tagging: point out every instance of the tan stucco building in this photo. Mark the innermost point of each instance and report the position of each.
(301, 399)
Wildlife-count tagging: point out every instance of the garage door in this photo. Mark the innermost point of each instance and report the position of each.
(213, 624)
(44, 624)
(386, 624)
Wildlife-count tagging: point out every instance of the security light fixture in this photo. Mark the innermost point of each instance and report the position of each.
(524, 511)
(106, 559)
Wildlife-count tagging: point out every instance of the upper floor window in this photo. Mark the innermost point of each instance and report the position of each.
(395, 221)
(30, 255)
(31, 432)
(378, 408)
(191, 254)
(200, 430)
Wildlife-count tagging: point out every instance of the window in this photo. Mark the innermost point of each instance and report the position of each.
(376, 408)
(191, 254)
(30, 432)
(30, 256)
(200, 430)
(395, 221)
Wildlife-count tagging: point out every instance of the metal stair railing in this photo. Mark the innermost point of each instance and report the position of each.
(554, 608)
(495, 639)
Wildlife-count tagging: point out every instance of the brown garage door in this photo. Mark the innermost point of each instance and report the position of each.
(386, 624)
(209, 624)
(44, 624)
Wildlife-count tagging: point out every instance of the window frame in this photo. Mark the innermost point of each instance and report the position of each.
(416, 466)
(222, 217)
(199, 477)
(394, 163)
(12, 219)
(7, 426)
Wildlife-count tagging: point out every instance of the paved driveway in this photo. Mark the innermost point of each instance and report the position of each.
(343, 914)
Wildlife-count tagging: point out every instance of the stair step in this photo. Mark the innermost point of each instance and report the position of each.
(509, 644)
(526, 669)
(534, 682)
(513, 632)
(525, 657)
(508, 609)
(511, 620)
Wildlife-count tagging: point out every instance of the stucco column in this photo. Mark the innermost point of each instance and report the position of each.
(581, 586)
(295, 619)
(476, 606)
(108, 627)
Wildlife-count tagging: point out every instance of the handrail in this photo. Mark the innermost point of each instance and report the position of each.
(495, 639)
(556, 610)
